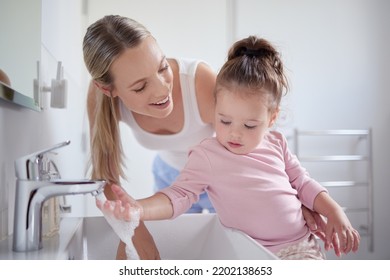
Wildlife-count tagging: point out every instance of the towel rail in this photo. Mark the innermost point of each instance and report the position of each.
(357, 135)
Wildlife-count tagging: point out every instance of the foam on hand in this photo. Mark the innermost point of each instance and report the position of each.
(124, 229)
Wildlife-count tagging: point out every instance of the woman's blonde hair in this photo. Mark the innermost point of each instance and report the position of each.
(255, 64)
(104, 41)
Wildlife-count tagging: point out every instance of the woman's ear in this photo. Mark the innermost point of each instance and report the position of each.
(103, 88)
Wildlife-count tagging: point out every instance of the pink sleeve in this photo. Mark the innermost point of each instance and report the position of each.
(192, 181)
(300, 180)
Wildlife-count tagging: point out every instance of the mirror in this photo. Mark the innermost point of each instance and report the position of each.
(20, 47)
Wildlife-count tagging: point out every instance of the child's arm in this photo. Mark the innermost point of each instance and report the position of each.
(155, 207)
(338, 225)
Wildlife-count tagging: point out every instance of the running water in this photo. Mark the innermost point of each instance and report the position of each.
(124, 229)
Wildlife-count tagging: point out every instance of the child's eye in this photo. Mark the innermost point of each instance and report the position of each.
(225, 122)
(250, 126)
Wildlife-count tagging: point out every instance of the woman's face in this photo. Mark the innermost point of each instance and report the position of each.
(143, 80)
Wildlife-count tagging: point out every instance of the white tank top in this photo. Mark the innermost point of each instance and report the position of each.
(173, 148)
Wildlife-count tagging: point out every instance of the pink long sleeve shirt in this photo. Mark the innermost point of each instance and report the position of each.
(260, 193)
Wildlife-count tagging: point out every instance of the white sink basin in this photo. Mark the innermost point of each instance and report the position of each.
(188, 237)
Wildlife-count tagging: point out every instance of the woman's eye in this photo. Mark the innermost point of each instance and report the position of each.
(164, 68)
(140, 89)
(225, 122)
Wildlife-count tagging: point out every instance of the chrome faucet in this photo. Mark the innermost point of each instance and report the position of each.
(36, 182)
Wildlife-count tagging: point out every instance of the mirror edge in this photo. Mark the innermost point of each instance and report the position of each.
(10, 95)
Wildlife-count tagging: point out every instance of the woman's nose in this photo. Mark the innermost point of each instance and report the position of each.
(164, 84)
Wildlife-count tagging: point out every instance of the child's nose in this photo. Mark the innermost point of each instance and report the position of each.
(235, 132)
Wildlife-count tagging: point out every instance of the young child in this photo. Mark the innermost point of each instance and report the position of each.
(254, 182)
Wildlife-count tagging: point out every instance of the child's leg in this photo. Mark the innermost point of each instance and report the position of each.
(308, 249)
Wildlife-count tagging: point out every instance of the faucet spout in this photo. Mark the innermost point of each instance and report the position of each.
(57, 187)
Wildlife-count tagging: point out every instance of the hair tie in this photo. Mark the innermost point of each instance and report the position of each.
(251, 52)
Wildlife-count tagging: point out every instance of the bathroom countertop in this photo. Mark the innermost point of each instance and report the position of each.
(54, 248)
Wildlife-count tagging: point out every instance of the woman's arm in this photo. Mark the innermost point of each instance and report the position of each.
(204, 84)
(143, 243)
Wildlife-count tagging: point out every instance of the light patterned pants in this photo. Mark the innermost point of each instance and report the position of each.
(307, 249)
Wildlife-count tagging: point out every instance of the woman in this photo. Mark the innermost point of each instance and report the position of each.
(168, 104)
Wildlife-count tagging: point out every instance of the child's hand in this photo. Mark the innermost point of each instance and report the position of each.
(317, 225)
(340, 231)
(122, 208)
(123, 215)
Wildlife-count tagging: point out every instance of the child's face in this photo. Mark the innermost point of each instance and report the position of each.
(241, 120)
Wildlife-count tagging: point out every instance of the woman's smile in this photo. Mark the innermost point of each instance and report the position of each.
(162, 103)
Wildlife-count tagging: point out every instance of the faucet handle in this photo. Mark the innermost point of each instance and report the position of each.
(31, 166)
